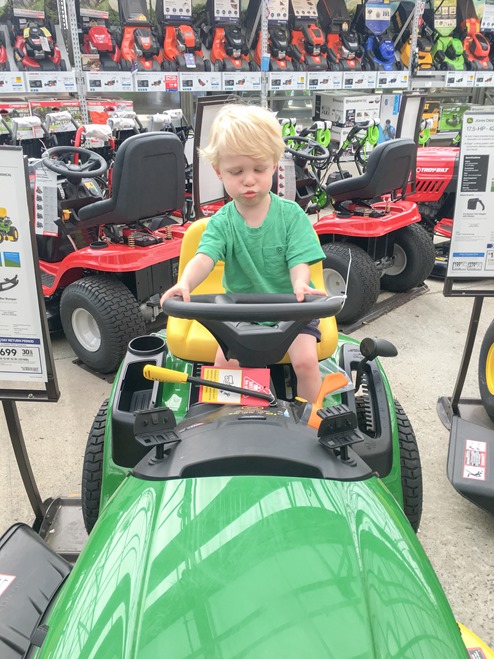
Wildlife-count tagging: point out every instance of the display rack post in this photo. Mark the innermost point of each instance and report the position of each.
(80, 80)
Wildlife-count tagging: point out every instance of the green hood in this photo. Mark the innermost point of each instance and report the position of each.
(252, 567)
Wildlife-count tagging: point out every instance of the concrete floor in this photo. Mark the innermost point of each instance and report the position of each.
(429, 332)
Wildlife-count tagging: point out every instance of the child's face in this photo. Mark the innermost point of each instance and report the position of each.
(247, 180)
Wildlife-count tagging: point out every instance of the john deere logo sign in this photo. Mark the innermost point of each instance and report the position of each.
(469, 120)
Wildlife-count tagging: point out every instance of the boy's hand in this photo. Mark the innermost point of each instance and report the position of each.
(179, 290)
(301, 289)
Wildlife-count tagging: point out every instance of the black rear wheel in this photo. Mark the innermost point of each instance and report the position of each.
(414, 258)
(92, 471)
(99, 317)
(411, 469)
(363, 280)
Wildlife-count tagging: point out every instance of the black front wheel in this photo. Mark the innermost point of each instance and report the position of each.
(363, 279)
(92, 471)
(486, 371)
(99, 317)
(413, 259)
(411, 469)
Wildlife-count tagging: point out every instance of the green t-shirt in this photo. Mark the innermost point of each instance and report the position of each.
(258, 260)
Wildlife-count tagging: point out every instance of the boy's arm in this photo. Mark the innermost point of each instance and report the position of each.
(195, 272)
(300, 278)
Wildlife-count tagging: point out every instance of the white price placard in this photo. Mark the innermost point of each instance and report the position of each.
(287, 80)
(472, 241)
(22, 352)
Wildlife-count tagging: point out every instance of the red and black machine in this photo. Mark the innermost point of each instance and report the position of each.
(279, 37)
(182, 46)
(308, 44)
(223, 35)
(96, 36)
(4, 61)
(343, 48)
(140, 47)
(476, 46)
(33, 39)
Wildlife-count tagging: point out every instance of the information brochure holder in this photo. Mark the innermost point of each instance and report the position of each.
(471, 257)
(27, 368)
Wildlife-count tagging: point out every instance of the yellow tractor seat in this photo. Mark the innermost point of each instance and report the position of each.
(191, 341)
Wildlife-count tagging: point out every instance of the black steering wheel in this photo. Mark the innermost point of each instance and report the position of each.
(230, 320)
(309, 149)
(60, 160)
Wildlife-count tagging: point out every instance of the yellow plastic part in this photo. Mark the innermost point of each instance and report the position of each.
(473, 642)
(160, 374)
(3, 213)
(192, 342)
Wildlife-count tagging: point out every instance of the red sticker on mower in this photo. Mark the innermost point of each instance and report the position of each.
(474, 460)
(5, 581)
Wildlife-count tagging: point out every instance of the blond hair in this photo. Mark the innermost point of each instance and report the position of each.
(247, 130)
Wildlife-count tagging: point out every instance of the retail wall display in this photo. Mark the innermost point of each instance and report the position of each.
(344, 50)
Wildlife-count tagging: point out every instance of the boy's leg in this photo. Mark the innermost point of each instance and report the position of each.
(303, 355)
(221, 361)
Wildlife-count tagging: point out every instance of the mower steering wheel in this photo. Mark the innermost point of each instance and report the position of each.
(252, 307)
(310, 149)
(92, 163)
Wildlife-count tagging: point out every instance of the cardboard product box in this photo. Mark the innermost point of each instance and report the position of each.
(99, 109)
(346, 110)
(451, 115)
(42, 108)
(11, 109)
(432, 111)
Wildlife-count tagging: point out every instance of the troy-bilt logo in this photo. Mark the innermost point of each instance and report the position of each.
(432, 170)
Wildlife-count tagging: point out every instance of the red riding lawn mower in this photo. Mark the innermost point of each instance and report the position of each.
(369, 244)
(33, 40)
(224, 37)
(182, 47)
(435, 196)
(343, 49)
(95, 34)
(105, 267)
(140, 47)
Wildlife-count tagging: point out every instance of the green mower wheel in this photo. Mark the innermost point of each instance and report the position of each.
(92, 471)
(486, 371)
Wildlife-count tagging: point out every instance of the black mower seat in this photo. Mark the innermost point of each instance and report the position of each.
(388, 170)
(148, 180)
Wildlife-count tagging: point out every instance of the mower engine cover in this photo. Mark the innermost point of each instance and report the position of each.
(252, 566)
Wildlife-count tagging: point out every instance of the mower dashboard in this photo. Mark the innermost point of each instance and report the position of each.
(227, 440)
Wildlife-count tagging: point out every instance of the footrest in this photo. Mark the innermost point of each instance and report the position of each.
(338, 428)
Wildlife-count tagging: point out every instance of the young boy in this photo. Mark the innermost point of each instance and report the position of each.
(267, 243)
